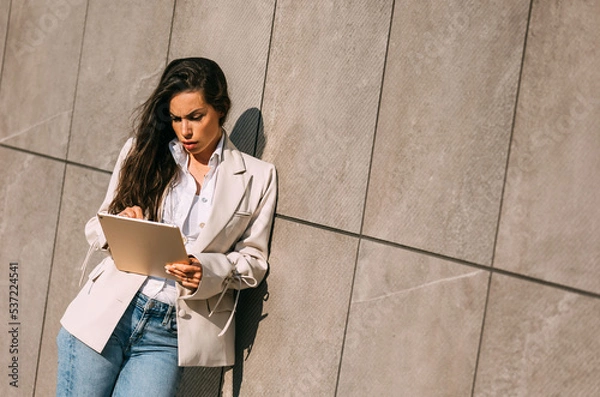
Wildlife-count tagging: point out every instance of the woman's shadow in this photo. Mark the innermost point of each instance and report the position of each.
(248, 136)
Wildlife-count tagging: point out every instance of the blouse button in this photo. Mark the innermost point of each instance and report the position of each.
(202, 225)
(182, 313)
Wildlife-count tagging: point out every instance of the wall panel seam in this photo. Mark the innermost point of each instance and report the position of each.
(264, 87)
(512, 131)
(62, 191)
(53, 158)
(480, 342)
(171, 32)
(364, 206)
(5, 43)
(494, 247)
(443, 257)
(74, 103)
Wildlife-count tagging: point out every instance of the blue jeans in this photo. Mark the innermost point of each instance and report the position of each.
(140, 358)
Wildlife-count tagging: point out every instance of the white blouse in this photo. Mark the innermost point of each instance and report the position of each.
(186, 209)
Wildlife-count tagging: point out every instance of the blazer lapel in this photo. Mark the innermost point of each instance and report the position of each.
(229, 190)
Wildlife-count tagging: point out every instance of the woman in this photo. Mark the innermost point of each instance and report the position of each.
(127, 334)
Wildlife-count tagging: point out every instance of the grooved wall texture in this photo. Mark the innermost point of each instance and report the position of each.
(438, 224)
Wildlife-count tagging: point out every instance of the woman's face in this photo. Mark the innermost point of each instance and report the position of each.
(196, 124)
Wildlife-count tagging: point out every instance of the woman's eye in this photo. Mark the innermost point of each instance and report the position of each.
(176, 119)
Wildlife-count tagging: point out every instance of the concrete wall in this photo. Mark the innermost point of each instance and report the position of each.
(438, 226)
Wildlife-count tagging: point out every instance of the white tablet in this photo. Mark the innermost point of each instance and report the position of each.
(141, 246)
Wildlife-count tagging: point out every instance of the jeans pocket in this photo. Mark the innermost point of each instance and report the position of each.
(171, 325)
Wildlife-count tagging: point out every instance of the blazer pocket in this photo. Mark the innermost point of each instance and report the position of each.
(242, 213)
(237, 224)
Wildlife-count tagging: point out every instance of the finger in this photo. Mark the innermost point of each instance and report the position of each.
(132, 212)
(189, 285)
(188, 277)
(137, 212)
(185, 276)
(176, 273)
(124, 213)
(174, 270)
(184, 267)
(188, 268)
(189, 282)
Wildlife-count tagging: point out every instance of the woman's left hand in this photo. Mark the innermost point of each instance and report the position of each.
(187, 274)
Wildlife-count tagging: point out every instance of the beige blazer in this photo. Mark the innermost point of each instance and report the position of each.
(233, 245)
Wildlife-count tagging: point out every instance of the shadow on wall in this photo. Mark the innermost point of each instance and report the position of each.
(248, 136)
(249, 315)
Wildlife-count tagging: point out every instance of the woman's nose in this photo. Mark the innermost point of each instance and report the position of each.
(186, 128)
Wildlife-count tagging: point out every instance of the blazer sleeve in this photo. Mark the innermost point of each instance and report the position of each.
(93, 230)
(246, 265)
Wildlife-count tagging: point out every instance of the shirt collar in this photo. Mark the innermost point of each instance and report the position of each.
(181, 156)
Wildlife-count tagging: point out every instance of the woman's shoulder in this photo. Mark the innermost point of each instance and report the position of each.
(124, 151)
(262, 171)
(127, 146)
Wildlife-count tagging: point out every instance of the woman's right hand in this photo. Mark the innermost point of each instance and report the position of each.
(132, 212)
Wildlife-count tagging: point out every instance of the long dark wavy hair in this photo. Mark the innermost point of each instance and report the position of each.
(149, 166)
